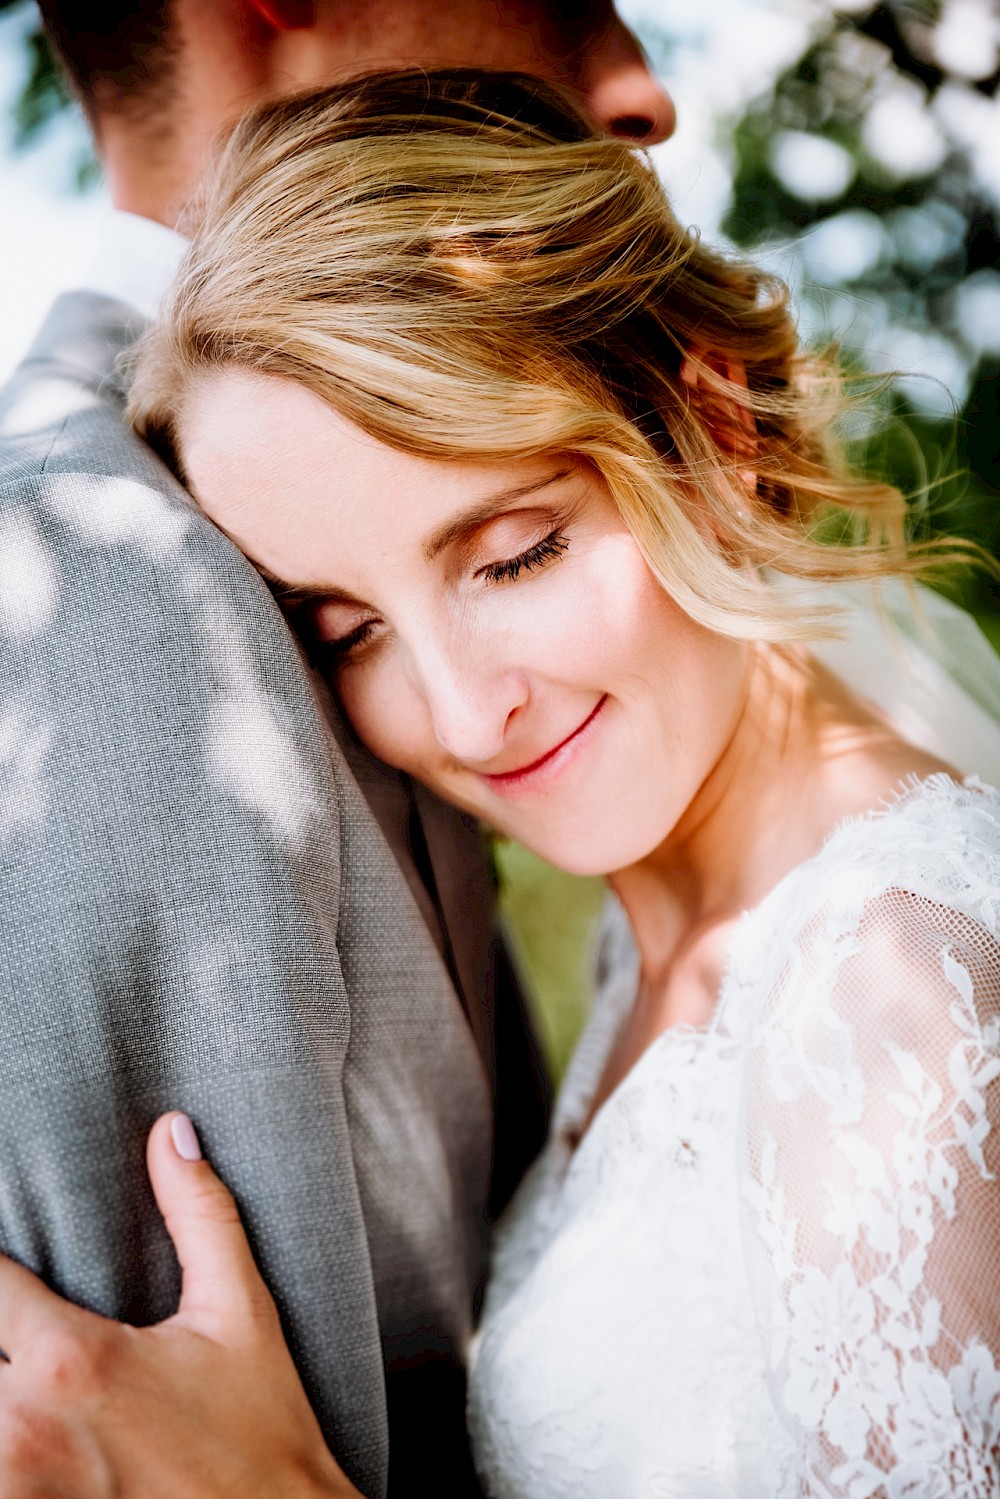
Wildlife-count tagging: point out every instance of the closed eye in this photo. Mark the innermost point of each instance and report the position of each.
(325, 651)
(360, 635)
(549, 549)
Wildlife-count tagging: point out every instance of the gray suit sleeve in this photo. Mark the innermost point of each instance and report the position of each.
(169, 833)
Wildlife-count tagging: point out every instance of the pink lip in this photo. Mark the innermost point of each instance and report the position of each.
(528, 777)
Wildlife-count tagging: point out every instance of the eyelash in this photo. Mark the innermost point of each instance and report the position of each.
(339, 650)
(549, 549)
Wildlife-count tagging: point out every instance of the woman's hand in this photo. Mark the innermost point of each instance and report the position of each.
(203, 1405)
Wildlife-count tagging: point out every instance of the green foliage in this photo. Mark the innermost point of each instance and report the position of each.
(552, 918)
(920, 207)
(43, 93)
(43, 96)
(938, 222)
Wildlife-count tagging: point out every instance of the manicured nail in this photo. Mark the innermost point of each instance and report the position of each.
(185, 1140)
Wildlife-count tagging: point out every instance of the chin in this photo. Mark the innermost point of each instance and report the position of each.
(588, 851)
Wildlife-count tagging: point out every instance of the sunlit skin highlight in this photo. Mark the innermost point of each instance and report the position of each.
(494, 631)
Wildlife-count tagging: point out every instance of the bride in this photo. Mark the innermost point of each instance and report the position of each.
(548, 489)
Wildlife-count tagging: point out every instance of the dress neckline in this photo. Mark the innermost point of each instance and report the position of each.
(908, 790)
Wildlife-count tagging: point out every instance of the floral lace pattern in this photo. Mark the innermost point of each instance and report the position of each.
(770, 1268)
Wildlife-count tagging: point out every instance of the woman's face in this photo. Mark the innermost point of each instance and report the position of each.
(492, 629)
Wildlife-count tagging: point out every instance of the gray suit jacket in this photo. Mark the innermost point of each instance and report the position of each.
(200, 911)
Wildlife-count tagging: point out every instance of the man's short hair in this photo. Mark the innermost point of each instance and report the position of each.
(117, 54)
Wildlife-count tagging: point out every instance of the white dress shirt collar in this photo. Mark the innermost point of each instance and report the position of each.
(135, 261)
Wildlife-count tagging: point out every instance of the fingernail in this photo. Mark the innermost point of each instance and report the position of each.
(185, 1140)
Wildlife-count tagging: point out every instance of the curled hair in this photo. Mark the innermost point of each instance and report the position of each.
(459, 263)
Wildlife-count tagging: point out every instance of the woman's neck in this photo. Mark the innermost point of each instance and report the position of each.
(804, 754)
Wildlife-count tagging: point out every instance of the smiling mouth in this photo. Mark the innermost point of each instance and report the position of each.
(551, 761)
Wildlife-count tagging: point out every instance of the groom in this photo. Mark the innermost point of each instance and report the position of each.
(212, 899)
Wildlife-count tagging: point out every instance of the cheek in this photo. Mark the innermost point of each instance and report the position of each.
(595, 622)
(613, 623)
(385, 712)
(583, 625)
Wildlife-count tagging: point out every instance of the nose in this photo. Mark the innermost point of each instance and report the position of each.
(472, 700)
(622, 92)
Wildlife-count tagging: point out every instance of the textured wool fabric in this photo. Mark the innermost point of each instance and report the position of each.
(200, 911)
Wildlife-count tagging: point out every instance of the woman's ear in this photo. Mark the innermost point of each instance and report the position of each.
(729, 422)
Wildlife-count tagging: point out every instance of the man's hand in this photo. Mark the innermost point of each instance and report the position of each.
(206, 1404)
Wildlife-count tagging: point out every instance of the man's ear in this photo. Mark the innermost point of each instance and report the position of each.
(285, 15)
(730, 424)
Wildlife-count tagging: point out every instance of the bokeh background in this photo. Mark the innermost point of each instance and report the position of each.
(854, 147)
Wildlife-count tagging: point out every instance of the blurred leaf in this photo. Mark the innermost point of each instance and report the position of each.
(44, 95)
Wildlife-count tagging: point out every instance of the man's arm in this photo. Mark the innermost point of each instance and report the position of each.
(203, 1404)
(169, 836)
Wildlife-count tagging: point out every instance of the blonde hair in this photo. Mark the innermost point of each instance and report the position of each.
(460, 264)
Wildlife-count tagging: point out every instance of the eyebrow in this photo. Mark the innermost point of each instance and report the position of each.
(482, 511)
(445, 536)
(305, 592)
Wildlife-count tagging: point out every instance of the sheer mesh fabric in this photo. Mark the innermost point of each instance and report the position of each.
(771, 1266)
(873, 1096)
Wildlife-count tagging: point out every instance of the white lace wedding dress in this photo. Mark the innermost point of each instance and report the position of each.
(772, 1265)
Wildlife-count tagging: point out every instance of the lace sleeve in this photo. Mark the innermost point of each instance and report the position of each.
(872, 1202)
